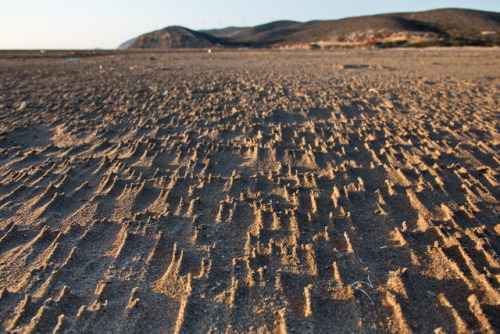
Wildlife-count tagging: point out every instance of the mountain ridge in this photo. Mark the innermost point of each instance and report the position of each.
(448, 26)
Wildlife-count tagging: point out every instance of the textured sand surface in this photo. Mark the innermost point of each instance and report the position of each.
(234, 192)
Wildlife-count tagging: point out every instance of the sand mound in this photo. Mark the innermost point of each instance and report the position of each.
(250, 192)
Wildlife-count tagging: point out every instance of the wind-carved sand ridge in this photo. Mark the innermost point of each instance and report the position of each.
(286, 192)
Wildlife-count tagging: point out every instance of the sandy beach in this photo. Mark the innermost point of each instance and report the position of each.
(350, 191)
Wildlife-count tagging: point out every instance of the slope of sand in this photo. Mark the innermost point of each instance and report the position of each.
(233, 192)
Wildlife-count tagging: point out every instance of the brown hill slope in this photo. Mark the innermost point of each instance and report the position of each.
(442, 26)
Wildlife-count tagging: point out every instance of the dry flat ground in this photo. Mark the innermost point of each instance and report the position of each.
(250, 191)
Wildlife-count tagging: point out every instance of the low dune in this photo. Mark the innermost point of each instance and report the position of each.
(250, 191)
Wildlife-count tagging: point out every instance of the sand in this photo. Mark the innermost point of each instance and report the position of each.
(250, 192)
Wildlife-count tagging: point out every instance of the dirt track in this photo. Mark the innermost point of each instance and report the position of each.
(297, 191)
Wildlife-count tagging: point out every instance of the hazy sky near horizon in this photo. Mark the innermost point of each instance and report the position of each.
(89, 24)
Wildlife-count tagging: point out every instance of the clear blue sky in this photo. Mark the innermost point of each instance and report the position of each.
(89, 24)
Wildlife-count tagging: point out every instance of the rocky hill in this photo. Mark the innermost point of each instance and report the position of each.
(436, 27)
(174, 37)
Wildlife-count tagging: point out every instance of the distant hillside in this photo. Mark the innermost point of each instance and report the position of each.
(174, 37)
(262, 34)
(435, 27)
